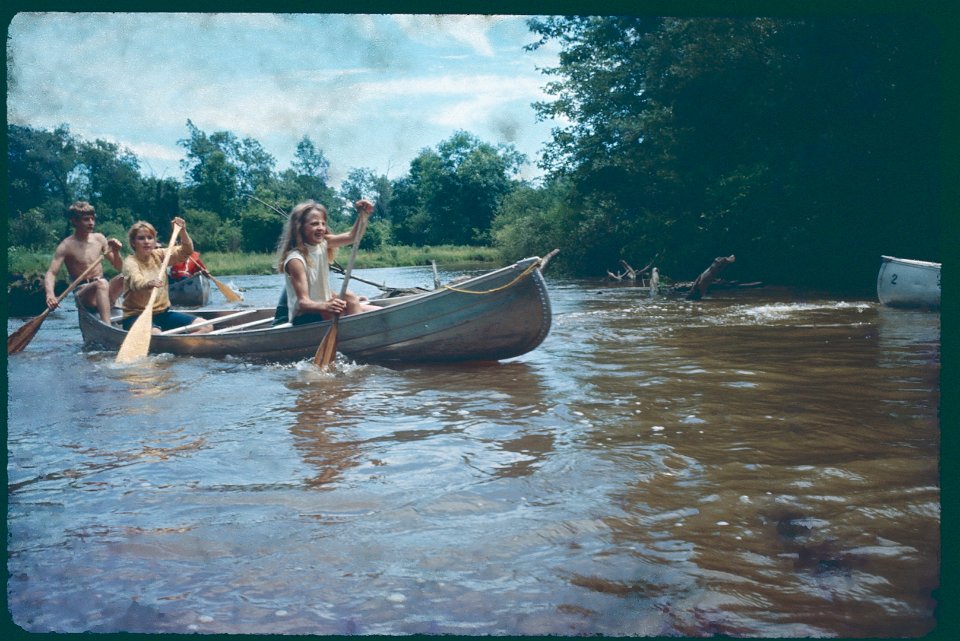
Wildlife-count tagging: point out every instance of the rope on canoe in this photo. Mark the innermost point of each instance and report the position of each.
(529, 270)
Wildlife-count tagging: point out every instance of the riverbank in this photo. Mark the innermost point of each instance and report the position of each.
(25, 268)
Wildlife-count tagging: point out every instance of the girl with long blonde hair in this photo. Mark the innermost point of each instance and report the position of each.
(305, 250)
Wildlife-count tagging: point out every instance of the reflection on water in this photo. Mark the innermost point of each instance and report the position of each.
(152, 376)
(492, 398)
(755, 464)
(318, 430)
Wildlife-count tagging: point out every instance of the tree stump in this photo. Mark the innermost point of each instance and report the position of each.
(710, 274)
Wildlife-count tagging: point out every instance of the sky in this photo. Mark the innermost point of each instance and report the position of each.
(370, 91)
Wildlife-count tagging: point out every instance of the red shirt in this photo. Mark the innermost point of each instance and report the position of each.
(192, 265)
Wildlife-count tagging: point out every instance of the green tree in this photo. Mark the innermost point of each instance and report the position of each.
(39, 168)
(532, 221)
(260, 229)
(779, 140)
(365, 183)
(452, 193)
(221, 169)
(161, 200)
(308, 161)
(111, 175)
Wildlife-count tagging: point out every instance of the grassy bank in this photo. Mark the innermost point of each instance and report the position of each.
(34, 263)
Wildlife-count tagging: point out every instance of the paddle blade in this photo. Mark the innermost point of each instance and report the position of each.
(25, 333)
(327, 350)
(137, 343)
(228, 293)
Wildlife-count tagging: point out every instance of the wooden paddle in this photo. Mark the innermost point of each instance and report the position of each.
(328, 346)
(137, 342)
(230, 295)
(24, 334)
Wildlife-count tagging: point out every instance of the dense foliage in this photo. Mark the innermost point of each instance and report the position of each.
(235, 199)
(805, 146)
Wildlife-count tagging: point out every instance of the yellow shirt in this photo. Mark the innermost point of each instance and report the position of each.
(137, 273)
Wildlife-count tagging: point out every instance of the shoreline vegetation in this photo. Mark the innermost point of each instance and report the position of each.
(25, 268)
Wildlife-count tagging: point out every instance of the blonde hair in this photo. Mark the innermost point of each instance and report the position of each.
(292, 237)
(140, 225)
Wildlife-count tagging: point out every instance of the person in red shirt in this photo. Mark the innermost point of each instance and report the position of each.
(191, 266)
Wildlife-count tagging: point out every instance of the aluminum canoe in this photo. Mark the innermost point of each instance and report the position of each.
(908, 283)
(190, 292)
(497, 315)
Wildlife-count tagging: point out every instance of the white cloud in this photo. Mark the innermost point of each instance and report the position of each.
(370, 90)
(470, 30)
(453, 84)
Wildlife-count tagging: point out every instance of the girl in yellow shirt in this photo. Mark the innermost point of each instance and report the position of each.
(141, 273)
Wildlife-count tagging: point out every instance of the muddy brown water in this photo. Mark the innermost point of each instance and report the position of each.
(759, 463)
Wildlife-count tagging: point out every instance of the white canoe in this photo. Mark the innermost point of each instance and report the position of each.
(908, 283)
(190, 292)
(499, 314)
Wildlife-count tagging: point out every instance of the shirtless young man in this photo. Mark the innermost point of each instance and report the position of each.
(78, 251)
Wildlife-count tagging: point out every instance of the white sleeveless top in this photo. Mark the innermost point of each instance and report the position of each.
(318, 277)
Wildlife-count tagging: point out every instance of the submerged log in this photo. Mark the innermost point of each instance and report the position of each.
(699, 288)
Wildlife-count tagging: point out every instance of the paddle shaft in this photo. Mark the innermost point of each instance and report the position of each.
(328, 346)
(335, 267)
(362, 227)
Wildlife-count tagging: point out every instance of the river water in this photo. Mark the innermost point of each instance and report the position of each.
(759, 463)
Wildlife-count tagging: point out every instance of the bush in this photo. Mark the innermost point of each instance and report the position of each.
(228, 239)
(32, 230)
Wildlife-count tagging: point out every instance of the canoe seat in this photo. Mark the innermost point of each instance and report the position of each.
(236, 328)
(219, 319)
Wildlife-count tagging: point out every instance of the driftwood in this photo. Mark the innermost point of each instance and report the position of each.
(404, 291)
(631, 273)
(546, 259)
(691, 290)
(709, 275)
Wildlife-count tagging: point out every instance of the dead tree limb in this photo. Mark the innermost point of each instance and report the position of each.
(631, 272)
(653, 261)
(546, 259)
(710, 274)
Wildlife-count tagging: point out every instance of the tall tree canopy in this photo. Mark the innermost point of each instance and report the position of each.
(798, 144)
